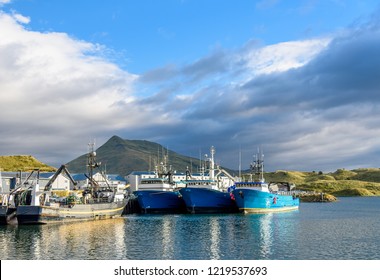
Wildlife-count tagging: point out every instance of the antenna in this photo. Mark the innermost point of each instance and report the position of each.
(91, 161)
(149, 164)
(240, 162)
(212, 163)
(200, 159)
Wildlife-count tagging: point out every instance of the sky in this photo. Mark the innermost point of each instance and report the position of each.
(298, 79)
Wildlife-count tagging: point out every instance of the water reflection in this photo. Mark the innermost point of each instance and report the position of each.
(84, 240)
(214, 239)
(167, 247)
(151, 236)
(344, 230)
(265, 224)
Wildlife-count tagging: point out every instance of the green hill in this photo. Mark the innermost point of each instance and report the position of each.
(124, 156)
(359, 182)
(23, 163)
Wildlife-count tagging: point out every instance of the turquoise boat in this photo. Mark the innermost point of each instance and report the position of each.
(259, 197)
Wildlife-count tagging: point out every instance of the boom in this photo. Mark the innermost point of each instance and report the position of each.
(59, 171)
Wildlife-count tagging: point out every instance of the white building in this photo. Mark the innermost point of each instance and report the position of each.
(9, 180)
(61, 183)
(113, 180)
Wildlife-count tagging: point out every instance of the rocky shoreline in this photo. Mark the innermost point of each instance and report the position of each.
(317, 197)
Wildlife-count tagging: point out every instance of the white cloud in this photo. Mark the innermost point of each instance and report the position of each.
(56, 90)
(284, 56)
(20, 18)
(2, 2)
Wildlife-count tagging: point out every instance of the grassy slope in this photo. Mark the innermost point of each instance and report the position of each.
(359, 182)
(23, 163)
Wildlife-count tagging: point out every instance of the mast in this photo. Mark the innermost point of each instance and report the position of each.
(91, 164)
(240, 163)
(212, 163)
(261, 166)
(257, 167)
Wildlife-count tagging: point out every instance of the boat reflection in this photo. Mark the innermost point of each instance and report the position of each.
(214, 239)
(156, 237)
(266, 232)
(84, 240)
(167, 232)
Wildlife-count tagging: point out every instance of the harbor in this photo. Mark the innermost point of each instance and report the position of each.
(165, 214)
(169, 215)
(212, 190)
(179, 101)
(346, 230)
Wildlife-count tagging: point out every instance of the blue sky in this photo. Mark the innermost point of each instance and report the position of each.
(297, 78)
(148, 34)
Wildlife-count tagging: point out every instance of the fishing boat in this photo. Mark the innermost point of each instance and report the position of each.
(208, 195)
(159, 194)
(259, 197)
(7, 212)
(11, 200)
(94, 203)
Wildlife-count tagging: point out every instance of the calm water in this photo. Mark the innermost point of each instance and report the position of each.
(348, 229)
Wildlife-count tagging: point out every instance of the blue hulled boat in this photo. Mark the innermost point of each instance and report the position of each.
(208, 195)
(200, 197)
(158, 195)
(260, 197)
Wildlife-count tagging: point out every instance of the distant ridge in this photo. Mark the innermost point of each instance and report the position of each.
(121, 156)
(24, 163)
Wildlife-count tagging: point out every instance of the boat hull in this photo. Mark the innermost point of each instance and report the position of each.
(157, 201)
(27, 214)
(7, 215)
(255, 201)
(202, 200)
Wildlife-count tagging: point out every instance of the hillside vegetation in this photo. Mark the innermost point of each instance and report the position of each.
(23, 163)
(358, 182)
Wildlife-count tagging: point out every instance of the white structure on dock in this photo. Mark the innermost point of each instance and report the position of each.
(104, 180)
(9, 180)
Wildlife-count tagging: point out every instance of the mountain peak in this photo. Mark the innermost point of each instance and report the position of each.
(123, 156)
(115, 138)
